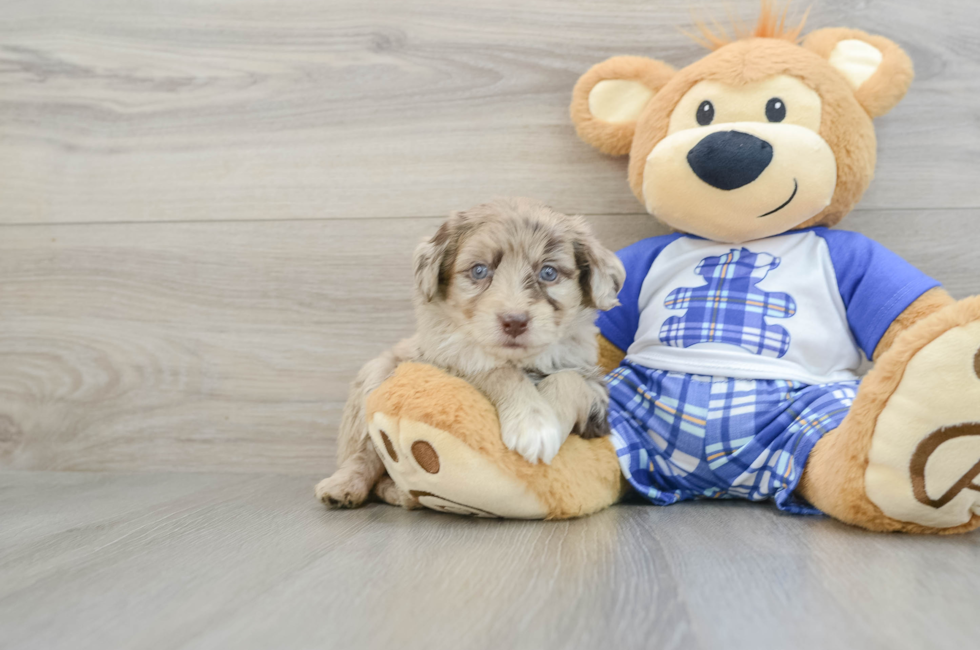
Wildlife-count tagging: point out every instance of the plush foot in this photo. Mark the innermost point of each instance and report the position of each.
(439, 439)
(924, 461)
(908, 455)
(430, 467)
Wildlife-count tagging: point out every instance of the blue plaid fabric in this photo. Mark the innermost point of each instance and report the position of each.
(682, 437)
(730, 308)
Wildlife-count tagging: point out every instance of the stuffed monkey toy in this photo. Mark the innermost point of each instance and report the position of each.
(735, 348)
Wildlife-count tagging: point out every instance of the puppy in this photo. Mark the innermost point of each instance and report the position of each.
(505, 297)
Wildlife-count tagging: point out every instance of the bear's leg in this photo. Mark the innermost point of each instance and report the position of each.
(907, 457)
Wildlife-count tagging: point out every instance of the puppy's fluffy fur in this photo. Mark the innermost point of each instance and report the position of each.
(505, 297)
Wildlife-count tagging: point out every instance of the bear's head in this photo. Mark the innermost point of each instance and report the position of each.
(761, 136)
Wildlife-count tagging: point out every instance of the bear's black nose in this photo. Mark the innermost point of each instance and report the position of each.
(729, 159)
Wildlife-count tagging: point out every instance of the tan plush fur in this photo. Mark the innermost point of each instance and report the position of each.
(609, 355)
(582, 479)
(613, 139)
(928, 303)
(834, 476)
(889, 83)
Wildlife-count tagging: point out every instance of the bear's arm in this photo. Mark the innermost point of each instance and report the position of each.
(609, 355)
(928, 303)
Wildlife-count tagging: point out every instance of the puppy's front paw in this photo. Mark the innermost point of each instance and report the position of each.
(342, 491)
(535, 434)
(597, 424)
(387, 491)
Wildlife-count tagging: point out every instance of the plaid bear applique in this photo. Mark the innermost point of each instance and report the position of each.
(730, 308)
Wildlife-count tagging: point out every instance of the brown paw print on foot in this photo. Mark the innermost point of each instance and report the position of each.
(445, 474)
(931, 444)
(924, 460)
(425, 455)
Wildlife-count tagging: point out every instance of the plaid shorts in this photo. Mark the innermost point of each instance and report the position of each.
(682, 437)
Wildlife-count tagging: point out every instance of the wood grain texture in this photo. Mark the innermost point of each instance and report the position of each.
(157, 561)
(229, 346)
(199, 346)
(210, 110)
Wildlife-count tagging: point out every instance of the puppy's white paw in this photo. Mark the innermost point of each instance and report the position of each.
(536, 434)
(342, 491)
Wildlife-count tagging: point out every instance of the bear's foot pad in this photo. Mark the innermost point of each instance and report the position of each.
(443, 473)
(924, 461)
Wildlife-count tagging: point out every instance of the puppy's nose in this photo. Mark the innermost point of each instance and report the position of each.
(729, 159)
(513, 324)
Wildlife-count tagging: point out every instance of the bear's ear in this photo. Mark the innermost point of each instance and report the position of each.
(877, 69)
(609, 98)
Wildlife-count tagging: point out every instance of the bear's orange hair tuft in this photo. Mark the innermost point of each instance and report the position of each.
(771, 24)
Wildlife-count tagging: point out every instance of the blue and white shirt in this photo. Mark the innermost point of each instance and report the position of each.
(801, 306)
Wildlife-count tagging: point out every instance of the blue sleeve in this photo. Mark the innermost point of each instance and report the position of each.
(875, 284)
(620, 323)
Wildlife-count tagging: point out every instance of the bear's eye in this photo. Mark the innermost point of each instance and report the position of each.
(548, 274)
(775, 110)
(706, 113)
(479, 272)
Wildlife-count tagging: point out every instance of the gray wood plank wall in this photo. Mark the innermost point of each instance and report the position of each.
(207, 209)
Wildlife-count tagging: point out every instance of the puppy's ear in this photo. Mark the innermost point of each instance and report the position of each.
(877, 69)
(601, 274)
(434, 258)
(608, 100)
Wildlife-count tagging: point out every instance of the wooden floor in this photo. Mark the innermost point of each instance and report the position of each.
(150, 560)
(207, 212)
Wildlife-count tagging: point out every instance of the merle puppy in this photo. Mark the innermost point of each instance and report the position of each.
(505, 297)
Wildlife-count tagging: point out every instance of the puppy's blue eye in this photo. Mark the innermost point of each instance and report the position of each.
(479, 272)
(548, 274)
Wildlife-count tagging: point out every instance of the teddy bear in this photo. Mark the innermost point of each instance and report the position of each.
(733, 355)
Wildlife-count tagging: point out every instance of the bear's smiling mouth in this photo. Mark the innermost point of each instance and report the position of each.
(796, 186)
